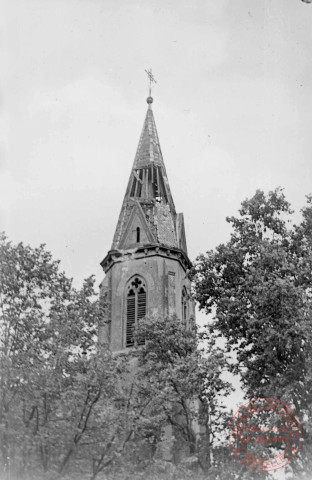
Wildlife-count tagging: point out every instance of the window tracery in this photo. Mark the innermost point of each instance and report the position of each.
(136, 306)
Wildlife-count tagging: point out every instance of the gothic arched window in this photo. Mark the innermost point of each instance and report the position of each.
(136, 306)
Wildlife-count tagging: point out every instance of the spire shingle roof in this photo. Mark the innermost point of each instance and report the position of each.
(148, 203)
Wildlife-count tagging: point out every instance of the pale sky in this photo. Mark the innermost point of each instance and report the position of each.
(232, 105)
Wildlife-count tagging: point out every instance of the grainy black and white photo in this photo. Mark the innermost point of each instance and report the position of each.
(156, 240)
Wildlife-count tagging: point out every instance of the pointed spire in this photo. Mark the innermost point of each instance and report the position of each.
(148, 179)
(148, 206)
(148, 150)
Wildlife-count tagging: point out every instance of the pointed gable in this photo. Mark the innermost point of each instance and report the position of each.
(137, 231)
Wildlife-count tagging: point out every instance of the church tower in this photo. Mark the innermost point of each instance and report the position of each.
(146, 268)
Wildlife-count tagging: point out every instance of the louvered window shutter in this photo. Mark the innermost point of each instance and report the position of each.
(130, 319)
(136, 309)
(141, 308)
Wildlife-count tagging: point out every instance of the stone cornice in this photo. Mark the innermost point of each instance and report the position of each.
(146, 251)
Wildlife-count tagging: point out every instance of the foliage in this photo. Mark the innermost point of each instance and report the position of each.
(70, 411)
(58, 412)
(258, 286)
(184, 385)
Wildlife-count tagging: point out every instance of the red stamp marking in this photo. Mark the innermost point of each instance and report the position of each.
(265, 434)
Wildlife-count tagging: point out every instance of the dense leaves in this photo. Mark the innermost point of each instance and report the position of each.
(71, 410)
(258, 287)
(185, 386)
(58, 413)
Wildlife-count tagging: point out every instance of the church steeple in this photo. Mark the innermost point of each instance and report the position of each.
(146, 270)
(148, 214)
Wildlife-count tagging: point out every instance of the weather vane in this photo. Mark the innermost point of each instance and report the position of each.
(151, 80)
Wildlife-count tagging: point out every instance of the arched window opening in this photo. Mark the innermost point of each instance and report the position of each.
(138, 234)
(136, 307)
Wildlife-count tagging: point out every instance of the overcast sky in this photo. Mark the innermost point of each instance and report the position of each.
(232, 106)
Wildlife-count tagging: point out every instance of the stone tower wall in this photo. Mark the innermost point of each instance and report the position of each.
(165, 279)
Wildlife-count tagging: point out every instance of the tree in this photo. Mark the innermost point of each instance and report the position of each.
(45, 327)
(184, 385)
(57, 392)
(258, 287)
(67, 407)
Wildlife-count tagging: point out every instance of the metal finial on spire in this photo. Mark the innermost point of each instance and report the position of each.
(151, 80)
